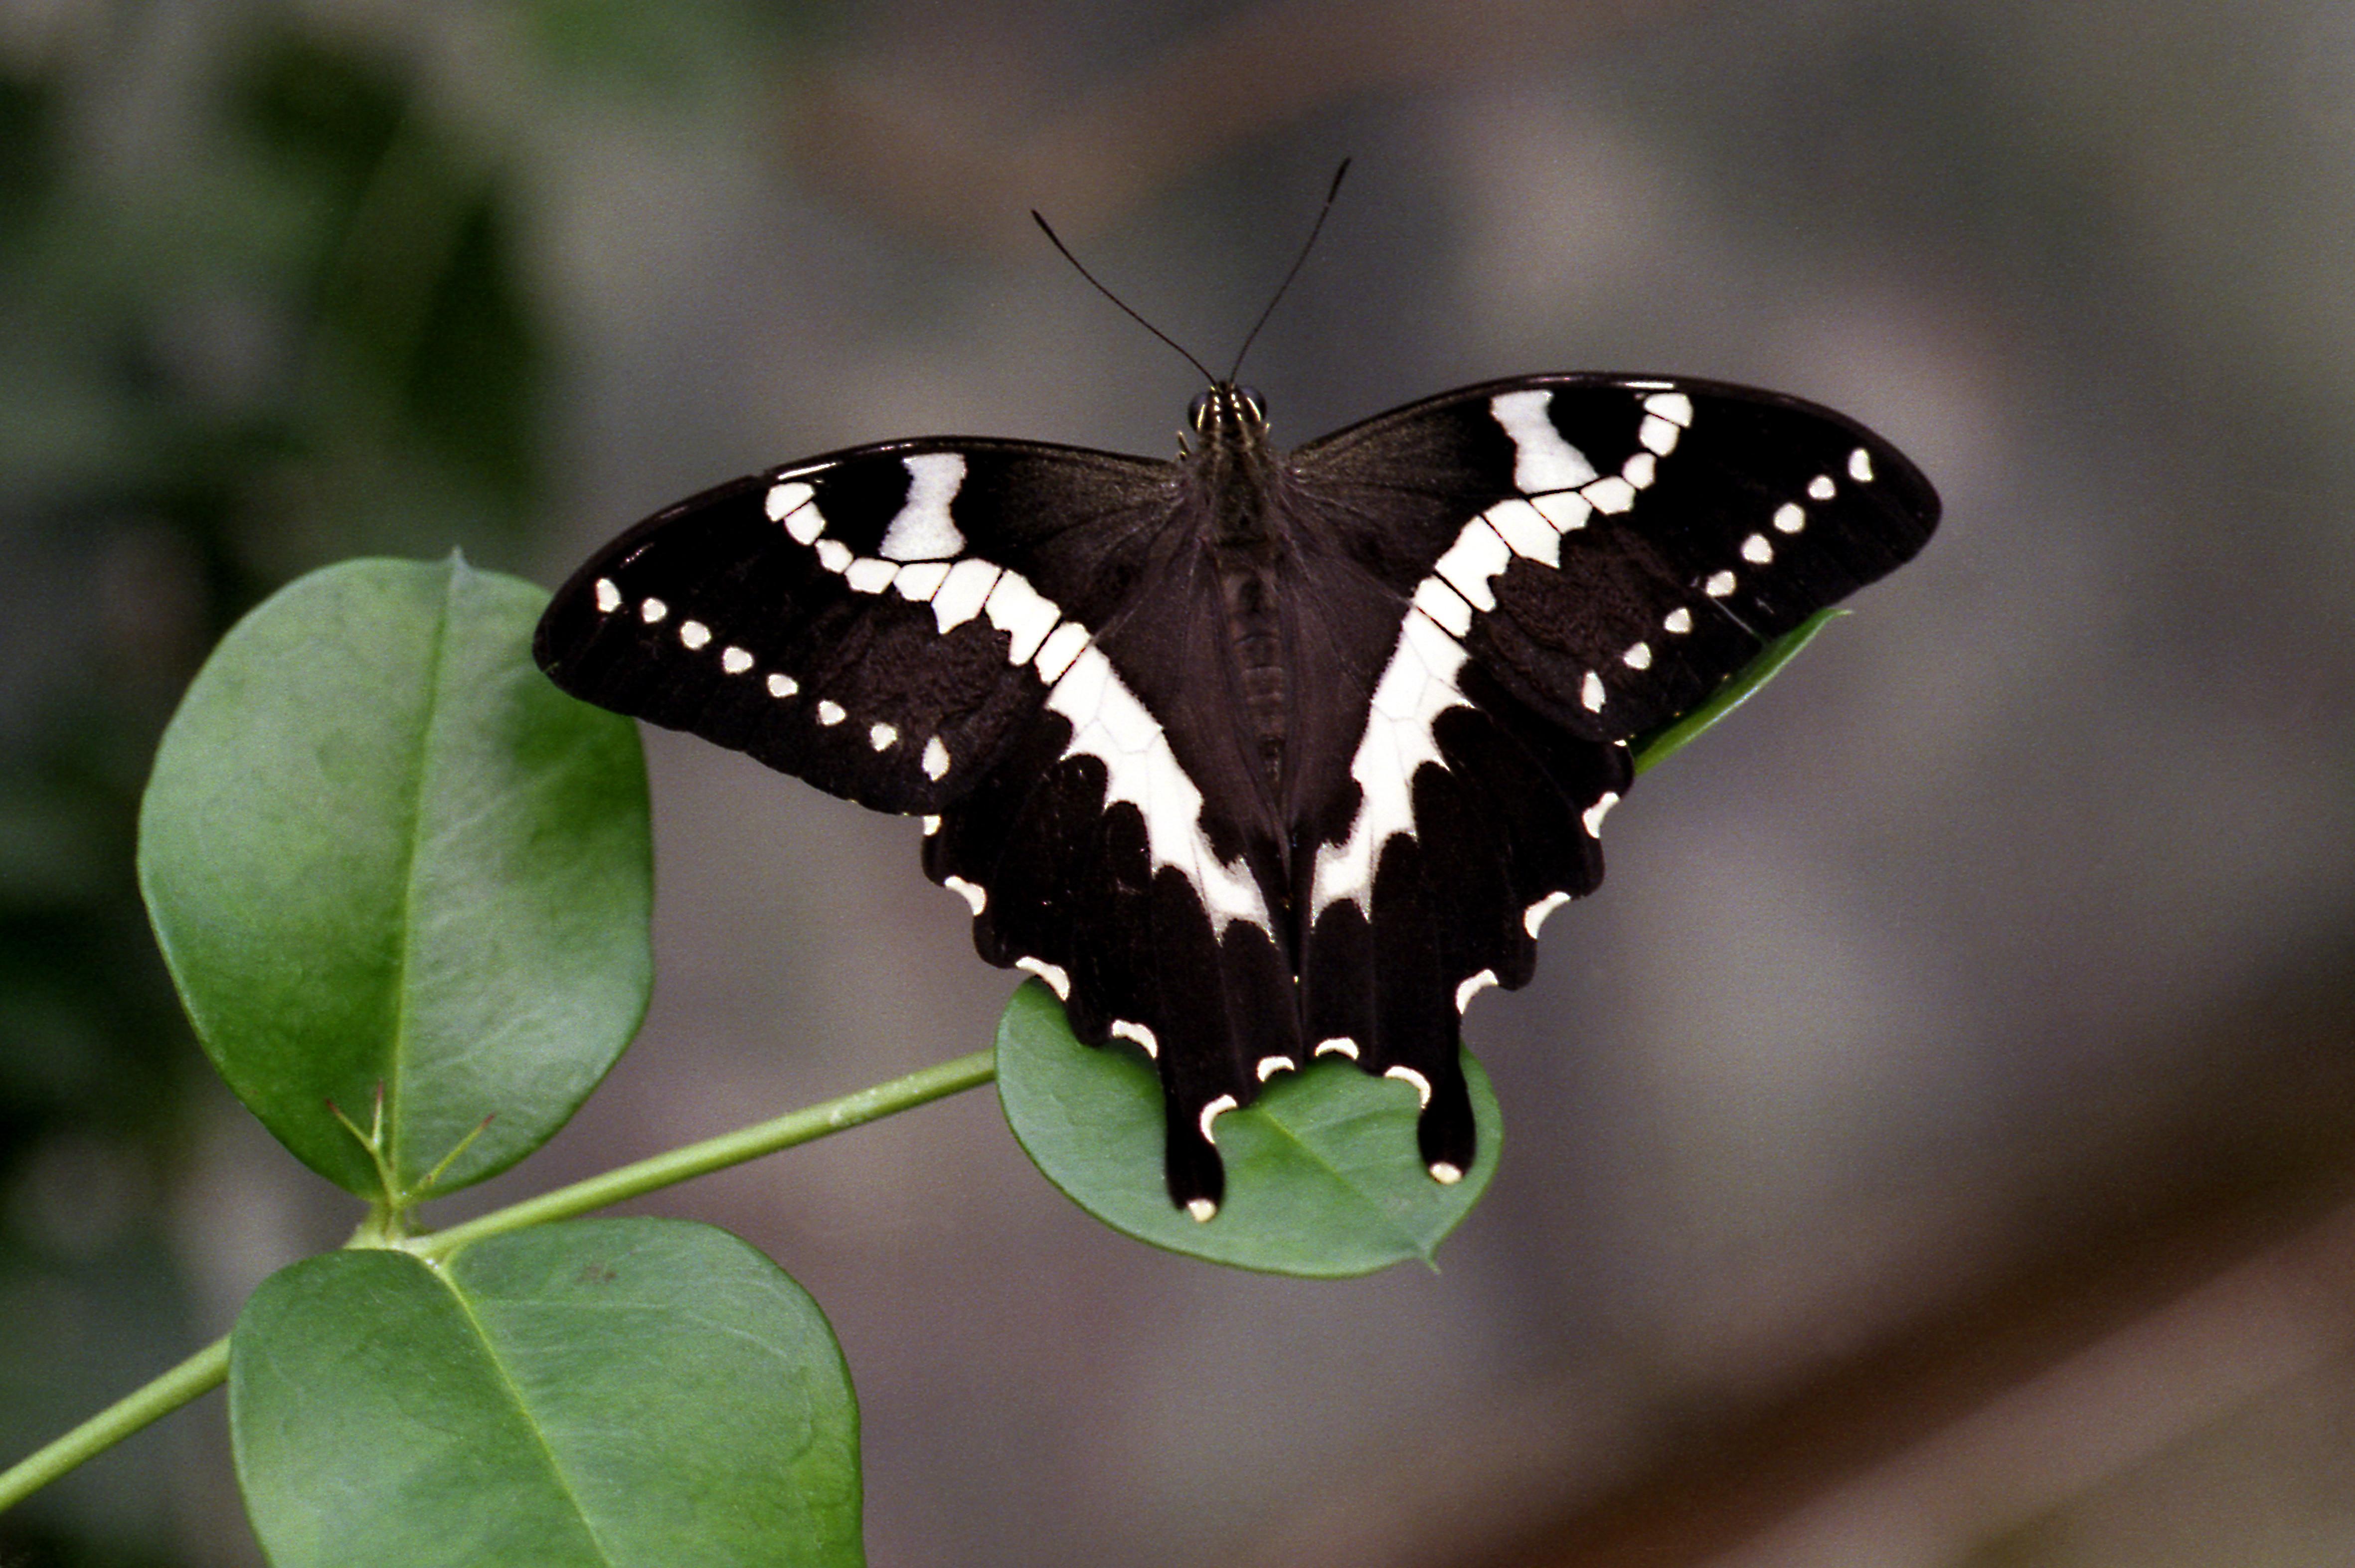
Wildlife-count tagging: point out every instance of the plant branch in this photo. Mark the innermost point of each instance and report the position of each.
(717, 1153)
(209, 1367)
(198, 1375)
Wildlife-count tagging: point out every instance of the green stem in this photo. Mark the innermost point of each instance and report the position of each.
(198, 1374)
(209, 1367)
(717, 1153)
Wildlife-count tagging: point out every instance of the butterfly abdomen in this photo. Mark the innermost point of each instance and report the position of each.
(1254, 641)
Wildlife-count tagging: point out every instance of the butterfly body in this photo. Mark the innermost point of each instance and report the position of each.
(1254, 755)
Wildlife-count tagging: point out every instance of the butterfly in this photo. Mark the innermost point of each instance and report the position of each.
(1256, 756)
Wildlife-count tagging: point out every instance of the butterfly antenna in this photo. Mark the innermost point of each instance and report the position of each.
(1297, 262)
(1056, 240)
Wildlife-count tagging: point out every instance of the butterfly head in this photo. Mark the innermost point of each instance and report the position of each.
(1226, 415)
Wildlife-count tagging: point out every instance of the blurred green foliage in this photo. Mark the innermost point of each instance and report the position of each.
(276, 314)
(398, 260)
(678, 51)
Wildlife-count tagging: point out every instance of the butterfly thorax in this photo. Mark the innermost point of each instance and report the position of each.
(1237, 473)
(1234, 465)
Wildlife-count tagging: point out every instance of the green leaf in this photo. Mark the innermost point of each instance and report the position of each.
(379, 848)
(1323, 1179)
(600, 1393)
(1657, 746)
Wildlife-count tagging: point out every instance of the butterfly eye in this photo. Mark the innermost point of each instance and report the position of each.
(1198, 412)
(1254, 406)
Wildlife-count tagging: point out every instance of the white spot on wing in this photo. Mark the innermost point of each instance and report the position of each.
(1023, 613)
(1340, 1046)
(936, 758)
(1121, 1028)
(735, 661)
(1443, 605)
(1789, 518)
(1479, 554)
(1592, 816)
(1679, 621)
(1109, 724)
(918, 580)
(785, 499)
(652, 610)
(831, 712)
(973, 894)
(867, 575)
(1638, 657)
(609, 598)
(1443, 1173)
(1640, 470)
(1673, 406)
(1756, 550)
(962, 593)
(1269, 1067)
(1565, 509)
(692, 634)
(932, 826)
(1409, 1075)
(1535, 915)
(883, 736)
(1590, 692)
(1062, 646)
(1417, 685)
(1058, 980)
(1860, 466)
(1658, 435)
(1542, 460)
(835, 556)
(1524, 528)
(923, 531)
(783, 685)
(805, 523)
(1202, 1209)
(1473, 987)
(1610, 496)
(1719, 586)
(1213, 1111)
(1822, 487)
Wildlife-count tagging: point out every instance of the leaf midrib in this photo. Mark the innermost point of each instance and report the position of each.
(514, 1394)
(1412, 1243)
(397, 1068)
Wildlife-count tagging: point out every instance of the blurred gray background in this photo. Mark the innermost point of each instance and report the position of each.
(1928, 1148)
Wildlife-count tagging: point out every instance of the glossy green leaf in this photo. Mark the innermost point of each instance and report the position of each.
(1657, 746)
(379, 848)
(608, 1393)
(1323, 1179)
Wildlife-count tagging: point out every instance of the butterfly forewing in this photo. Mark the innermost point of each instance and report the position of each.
(1695, 522)
(1254, 757)
(833, 618)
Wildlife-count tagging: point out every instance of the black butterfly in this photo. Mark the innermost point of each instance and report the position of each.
(1254, 755)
